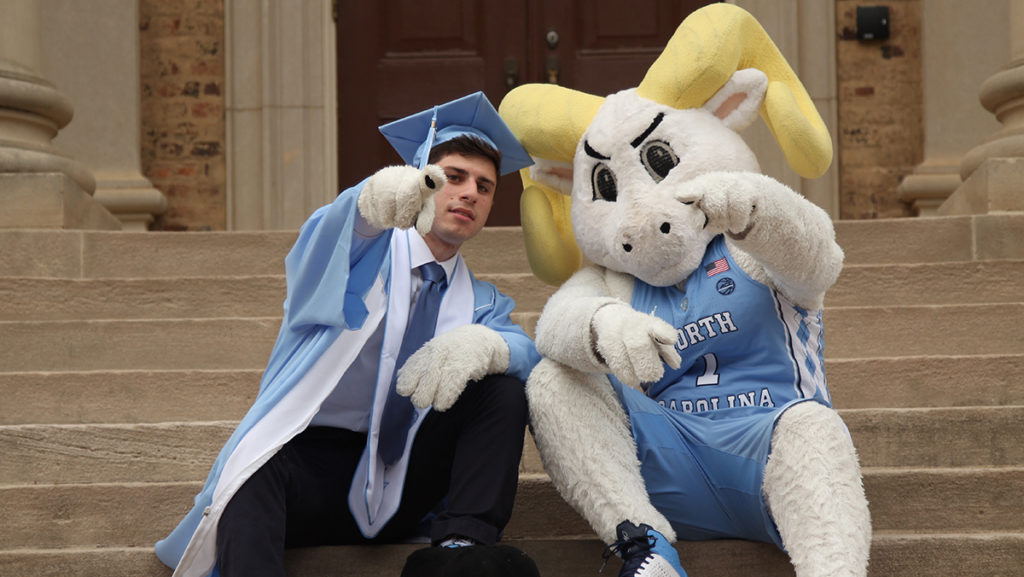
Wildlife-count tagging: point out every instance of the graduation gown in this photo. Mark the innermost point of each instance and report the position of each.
(320, 337)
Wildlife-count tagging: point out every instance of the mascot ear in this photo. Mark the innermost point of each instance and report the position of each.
(737, 103)
(554, 174)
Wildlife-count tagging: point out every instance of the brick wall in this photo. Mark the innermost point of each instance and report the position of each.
(183, 130)
(880, 110)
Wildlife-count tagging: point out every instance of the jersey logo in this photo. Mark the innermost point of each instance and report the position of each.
(725, 286)
(720, 265)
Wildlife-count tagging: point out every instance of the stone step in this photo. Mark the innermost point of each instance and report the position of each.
(126, 396)
(146, 396)
(156, 396)
(892, 555)
(92, 254)
(44, 516)
(934, 239)
(46, 299)
(42, 298)
(172, 452)
(245, 343)
(926, 381)
(993, 281)
(897, 331)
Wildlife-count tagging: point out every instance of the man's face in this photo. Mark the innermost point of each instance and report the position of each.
(462, 205)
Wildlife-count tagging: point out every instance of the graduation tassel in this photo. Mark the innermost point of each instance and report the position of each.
(430, 139)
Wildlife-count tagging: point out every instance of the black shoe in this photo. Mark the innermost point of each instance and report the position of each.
(472, 561)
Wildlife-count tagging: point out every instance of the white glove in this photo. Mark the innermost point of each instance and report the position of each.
(401, 196)
(438, 372)
(728, 199)
(633, 344)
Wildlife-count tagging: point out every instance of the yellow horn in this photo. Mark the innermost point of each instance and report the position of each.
(551, 247)
(716, 41)
(548, 119)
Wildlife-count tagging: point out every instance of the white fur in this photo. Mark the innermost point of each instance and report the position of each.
(588, 450)
(401, 197)
(438, 372)
(656, 227)
(634, 345)
(812, 484)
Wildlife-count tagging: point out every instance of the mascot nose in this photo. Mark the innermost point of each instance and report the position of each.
(665, 228)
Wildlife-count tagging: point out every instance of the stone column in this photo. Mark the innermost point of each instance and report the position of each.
(796, 26)
(960, 47)
(40, 186)
(91, 50)
(281, 112)
(993, 171)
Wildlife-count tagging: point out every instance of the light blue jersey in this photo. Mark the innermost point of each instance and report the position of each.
(703, 432)
(742, 344)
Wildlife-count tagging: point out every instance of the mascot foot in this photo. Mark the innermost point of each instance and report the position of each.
(645, 552)
(473, 561)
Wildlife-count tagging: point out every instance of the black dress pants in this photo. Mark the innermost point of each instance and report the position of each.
(467, 456)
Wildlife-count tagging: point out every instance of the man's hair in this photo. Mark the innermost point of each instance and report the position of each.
(467, 145)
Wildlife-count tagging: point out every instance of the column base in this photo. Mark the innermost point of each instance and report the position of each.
(997, 185)
(133, 201)
(50, 201)
(928, 187)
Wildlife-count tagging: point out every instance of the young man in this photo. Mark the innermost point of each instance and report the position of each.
(351, 439)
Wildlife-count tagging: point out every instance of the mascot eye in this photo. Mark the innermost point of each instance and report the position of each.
(603, 181)
(658, 158)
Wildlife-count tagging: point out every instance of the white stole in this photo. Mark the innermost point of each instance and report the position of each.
(377, 488)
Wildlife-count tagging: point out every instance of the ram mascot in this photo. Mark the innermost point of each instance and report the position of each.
(682, 393)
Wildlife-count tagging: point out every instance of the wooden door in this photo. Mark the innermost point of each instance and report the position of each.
(397, 57)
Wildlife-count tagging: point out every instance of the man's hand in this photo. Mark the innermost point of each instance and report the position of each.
(632, 344)
(438, 372)
(401, 197)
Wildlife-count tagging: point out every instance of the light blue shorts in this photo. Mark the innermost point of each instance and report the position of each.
(704, 471)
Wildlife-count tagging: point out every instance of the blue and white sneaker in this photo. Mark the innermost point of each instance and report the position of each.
(644, 552)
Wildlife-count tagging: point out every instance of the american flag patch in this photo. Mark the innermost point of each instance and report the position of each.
(720, 265)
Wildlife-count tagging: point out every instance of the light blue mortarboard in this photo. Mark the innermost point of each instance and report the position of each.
(414, 135)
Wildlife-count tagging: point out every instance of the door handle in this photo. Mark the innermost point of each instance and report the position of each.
(511, 72)
(552, 68)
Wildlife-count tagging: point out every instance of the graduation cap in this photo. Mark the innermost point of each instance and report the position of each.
(414, 136)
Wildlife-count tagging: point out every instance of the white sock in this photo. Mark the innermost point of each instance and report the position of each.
(457, 541)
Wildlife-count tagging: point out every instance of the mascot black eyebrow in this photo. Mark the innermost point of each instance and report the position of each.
(682, 393)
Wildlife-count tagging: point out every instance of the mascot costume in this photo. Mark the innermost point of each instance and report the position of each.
(682, 392)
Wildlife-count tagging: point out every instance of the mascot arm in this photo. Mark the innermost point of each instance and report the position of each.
(584, 327)
(401, 197)
(787, 236)
(437, 373)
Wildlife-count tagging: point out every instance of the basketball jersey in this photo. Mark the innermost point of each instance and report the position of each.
(744, 346)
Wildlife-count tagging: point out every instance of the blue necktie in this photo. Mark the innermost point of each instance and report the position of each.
(399, 412)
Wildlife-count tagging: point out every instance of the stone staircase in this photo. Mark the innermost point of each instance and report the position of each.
(127, 358)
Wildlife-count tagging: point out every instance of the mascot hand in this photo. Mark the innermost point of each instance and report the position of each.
(632, 344)
(437, 373)
(401, 197)
(728, 200)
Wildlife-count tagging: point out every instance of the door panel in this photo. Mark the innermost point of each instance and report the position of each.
(402, 56)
